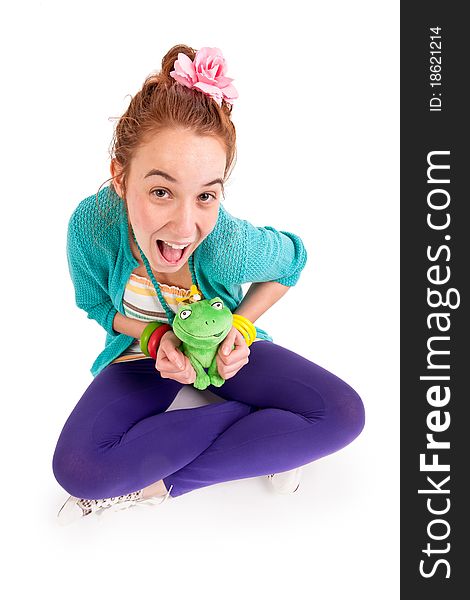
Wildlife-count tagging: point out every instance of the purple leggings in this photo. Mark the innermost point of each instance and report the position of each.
(280, 411)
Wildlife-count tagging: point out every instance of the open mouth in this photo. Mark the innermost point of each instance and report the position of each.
(172, 256)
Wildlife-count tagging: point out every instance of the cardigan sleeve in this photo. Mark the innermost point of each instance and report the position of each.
(271, 255)
(88, 276)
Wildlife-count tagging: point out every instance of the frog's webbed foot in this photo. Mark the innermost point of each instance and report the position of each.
(202, 381)
(215, 378)
(202, 378)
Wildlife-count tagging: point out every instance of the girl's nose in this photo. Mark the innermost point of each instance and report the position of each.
(183, 223)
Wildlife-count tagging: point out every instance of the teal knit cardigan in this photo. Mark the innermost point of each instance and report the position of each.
(235, 252)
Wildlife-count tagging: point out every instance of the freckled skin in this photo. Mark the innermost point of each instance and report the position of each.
(202, 326)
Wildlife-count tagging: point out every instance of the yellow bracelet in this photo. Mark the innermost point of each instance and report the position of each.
(247, 323)
(244, 333)
(245, 327)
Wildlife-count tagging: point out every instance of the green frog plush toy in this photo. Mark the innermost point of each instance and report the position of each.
(202, 326)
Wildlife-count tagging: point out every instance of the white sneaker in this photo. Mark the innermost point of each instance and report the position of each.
(286, 482)
(76, 508)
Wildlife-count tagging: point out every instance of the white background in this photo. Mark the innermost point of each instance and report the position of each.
(317, 123)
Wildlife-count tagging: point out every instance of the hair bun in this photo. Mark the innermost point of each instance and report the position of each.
(168, 60)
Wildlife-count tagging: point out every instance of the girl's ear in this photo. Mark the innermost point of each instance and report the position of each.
(117, 177)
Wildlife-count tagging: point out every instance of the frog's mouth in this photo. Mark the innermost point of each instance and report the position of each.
(203, 336)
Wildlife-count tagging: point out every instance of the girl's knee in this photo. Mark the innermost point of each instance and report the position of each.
(353, 412)
(75, 472)
(346, 413)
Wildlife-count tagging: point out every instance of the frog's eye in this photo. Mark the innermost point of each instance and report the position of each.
(217, 305)
(184, 314)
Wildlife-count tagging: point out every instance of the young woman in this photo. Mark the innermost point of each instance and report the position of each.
(157, 235)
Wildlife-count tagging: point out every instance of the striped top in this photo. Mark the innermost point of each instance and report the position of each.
(140, 301)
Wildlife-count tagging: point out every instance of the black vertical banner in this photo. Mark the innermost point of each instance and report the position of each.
(434, 261)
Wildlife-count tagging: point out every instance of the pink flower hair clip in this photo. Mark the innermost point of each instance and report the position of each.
(206, 73)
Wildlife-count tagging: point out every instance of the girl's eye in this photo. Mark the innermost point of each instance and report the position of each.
(159, 190)
(210, 196)
(206, 200)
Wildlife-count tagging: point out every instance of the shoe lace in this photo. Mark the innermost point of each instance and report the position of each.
(121, 502)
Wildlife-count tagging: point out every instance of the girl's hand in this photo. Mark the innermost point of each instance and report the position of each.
(171, 362)
(228, 365)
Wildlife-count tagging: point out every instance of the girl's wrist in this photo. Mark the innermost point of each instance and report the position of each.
(245, 327)
(149, 331)
(156, 338)
(145, 336)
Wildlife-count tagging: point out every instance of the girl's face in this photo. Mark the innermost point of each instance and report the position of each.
(173, 194)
